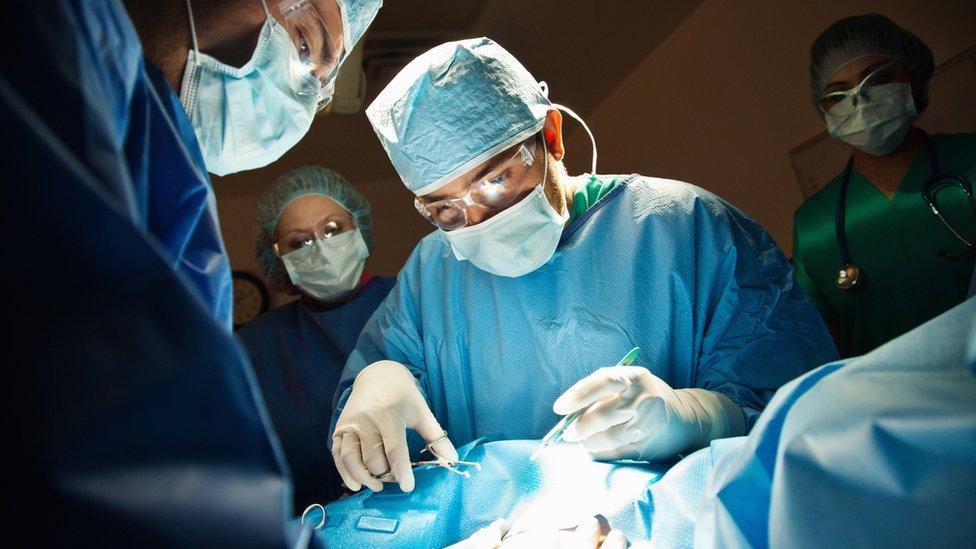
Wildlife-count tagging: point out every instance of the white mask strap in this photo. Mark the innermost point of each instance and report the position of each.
(576, 117)
(193, 29)
(266, 10)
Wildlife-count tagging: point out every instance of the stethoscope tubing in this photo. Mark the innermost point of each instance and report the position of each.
(849, 276)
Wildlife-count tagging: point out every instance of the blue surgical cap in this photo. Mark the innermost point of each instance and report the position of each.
(454, 107)
(286, 189)
(356, 17)
(869, 34)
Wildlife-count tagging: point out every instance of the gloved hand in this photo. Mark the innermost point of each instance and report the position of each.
(370, 439)
(639, 416)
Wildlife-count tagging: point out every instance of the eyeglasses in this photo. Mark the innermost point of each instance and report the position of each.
(319, 49)
(494, 191)
(846, 101)
(299, 239)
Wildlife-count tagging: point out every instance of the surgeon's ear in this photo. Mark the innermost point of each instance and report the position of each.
(552, 133)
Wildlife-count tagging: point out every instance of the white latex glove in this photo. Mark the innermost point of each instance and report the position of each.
(369, 444)
(639, 416)
(585, 536)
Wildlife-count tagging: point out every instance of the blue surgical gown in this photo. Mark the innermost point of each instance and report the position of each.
(697, 285)
(298, 351)
(131, 417)
(875, 451)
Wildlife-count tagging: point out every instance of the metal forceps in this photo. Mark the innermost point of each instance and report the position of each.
(439, 461)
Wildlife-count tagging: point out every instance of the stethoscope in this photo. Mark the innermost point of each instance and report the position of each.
(849, 276)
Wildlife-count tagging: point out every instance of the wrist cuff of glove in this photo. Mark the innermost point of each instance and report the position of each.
(717, 416)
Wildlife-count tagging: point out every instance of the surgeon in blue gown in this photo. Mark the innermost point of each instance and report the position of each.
(536, 280)
(131, 417)
(315, 232)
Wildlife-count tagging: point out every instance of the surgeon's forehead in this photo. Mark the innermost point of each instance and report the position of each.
(332, 15)
(306, 212)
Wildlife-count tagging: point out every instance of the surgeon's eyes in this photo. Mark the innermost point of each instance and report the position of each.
(300, 242)
(444, 212)
(330, 59)
(491, 186)
(331, 229)
(304, 50)
(495, 191)
(878, 80)
(499, 179)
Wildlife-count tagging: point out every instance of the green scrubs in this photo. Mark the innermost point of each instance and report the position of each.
(587, 195)
(895, 244)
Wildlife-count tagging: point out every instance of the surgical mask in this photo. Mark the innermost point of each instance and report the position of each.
(523, 237)
(517, 240)
(875, 121)
(329, 268)
(247, 117)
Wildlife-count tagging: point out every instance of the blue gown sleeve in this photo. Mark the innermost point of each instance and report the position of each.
(132, 416)
(760, 331)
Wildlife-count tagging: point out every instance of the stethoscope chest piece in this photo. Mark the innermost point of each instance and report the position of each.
(848, 277)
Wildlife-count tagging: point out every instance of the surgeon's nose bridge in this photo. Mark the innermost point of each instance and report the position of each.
(477, 214)
(473, 211)
(861, 88)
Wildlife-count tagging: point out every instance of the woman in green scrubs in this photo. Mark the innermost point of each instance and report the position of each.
(869, 79)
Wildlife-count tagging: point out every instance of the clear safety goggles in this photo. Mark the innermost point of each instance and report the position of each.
(316, 29)
(327, 229)
(844, 102)
(494, 191)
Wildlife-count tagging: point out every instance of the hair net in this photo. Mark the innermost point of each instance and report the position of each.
(295, 184)
(454, 107)
(356, 17)
(870, 34)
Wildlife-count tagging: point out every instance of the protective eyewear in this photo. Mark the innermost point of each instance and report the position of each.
(296, 241)
(844, 102)
(317, 34)
(494, 191)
